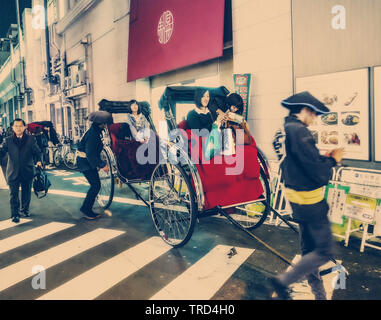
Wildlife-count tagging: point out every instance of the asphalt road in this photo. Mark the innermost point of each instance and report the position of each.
(56, 254)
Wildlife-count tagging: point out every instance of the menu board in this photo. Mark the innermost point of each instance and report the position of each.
(377, 110)
(346, 94)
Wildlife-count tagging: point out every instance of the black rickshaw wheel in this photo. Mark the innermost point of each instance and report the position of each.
(251, 216)
(106, 193)
(172, 204)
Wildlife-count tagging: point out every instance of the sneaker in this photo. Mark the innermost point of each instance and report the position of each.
(16, 219)
(282, 291)
(91, 215)
(25, 213)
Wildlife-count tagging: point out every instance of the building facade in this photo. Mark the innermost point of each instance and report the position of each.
(285, 45)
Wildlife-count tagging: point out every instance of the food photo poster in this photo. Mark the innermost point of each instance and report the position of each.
(346, 94)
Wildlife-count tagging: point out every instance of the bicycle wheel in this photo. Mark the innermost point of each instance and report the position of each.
(172, 204)
(251, 216)
(69, 160)
(57, 158)
(106, 193)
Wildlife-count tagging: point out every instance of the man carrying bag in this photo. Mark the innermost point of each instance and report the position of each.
(23, 153)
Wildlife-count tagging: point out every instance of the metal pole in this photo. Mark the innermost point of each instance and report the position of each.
(22, 87)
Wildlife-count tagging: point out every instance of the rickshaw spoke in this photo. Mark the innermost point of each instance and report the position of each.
(171, 204)
(252, 215)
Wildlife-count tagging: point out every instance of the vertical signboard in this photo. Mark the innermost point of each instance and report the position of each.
(377, 110)
(242, 87)
(346, 94)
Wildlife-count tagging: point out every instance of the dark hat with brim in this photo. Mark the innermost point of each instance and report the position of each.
(305, 99)
(100, 117)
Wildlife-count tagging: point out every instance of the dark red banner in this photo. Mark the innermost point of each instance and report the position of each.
(170, 34)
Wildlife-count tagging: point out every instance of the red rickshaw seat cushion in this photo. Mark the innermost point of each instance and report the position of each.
(125, 153)
(227, 180)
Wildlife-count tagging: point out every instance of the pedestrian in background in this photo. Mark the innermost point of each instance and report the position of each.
(2, 134)
(305, 173)
(23, 154)
(89, 160)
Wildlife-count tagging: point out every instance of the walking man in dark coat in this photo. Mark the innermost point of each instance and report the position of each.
(23, 155)
(305, 173)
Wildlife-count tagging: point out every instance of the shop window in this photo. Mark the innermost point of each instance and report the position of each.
(53, 114)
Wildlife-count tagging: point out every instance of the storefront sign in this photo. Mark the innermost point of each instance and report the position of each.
(346, 94)
(360, 207)
(242, 87)
(170, 34)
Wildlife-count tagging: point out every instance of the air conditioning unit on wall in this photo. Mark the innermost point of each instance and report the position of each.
(79, 78)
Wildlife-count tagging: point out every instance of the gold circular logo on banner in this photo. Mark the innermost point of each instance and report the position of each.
(165, 27)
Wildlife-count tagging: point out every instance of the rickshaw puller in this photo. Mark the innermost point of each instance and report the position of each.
(89, 160)
(305, 173)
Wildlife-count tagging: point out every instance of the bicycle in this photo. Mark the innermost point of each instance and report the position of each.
(65, 154)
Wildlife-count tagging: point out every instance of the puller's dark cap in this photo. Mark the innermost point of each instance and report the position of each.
(305, 99)
(100, 117)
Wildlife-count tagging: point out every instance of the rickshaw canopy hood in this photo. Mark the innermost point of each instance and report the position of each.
(184, 94)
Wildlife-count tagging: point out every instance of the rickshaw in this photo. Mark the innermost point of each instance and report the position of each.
(180, 190)
(37, 129)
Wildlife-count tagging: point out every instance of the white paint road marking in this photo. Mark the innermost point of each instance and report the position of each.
(97, 280)
(83, 195)
(22, 270)
(32, 235)
(6, 224)
(202, 280)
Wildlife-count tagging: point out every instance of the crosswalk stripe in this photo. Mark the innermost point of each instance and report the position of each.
(83, 195)
(97, 280)
(6, 224)
(32, 235)
(22, 270)
(202, 280)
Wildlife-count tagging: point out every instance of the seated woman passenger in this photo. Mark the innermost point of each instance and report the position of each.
(235, 119)
(200, 118)
(138, 123)
(203, 117)
(207, 121)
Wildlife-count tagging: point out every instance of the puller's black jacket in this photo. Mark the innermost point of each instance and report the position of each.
(303, 168)
(92, 145)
